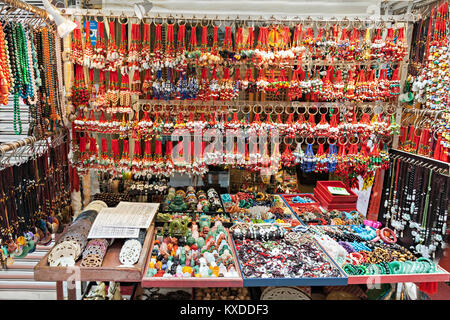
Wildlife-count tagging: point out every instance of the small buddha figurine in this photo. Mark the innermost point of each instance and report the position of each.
(177, 204)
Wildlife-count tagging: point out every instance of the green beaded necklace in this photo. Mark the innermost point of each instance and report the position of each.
(22, 73)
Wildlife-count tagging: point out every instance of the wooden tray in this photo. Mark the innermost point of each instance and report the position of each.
(109, 271)
(193, 282)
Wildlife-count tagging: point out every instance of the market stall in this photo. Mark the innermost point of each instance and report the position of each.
(227, 148)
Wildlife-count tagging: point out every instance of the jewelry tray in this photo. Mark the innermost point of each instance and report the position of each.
(273, 282)
(193, 282)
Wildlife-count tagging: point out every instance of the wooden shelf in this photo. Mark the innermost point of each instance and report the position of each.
(111, 270)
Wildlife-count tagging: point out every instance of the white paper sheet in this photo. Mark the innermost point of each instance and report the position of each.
(112, 232)
(123, 221)
(134, 214)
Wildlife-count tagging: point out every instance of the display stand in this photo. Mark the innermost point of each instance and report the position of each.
(111, 270)
(192, 282)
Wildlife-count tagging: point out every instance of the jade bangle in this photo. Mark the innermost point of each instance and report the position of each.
(408, 267)
(376, 269)
(395, 267)
(401, 269)
(413, 268)
(422, 267)
(363, 270)
(430, 265)
(391, 269)
(371, 269)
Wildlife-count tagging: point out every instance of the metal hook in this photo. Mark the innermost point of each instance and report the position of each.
(98, 15)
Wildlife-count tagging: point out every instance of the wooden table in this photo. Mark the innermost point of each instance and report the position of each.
(111, 269)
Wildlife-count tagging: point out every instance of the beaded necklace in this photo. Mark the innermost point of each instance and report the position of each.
(22, 76)
(31, 88)
(59, 71)
(42, 92)
(5, 76)
(49, 70)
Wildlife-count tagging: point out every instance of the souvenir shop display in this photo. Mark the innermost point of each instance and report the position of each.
(194, 156)
(272, 255)
(370, 249)
(259, 208)
(35, 196)
(101, 259)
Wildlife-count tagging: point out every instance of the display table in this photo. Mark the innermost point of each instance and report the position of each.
(111, 269)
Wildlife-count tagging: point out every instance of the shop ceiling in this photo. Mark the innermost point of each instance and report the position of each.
(269, 8)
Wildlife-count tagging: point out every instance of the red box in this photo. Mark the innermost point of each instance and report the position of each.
(288, 198)
(343, 206)
(323, 187)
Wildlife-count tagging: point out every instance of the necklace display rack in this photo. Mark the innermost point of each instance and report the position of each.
(30, 67)
(35, 191)
(419, 214)
(427, 87)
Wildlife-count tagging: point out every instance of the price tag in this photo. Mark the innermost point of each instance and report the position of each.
(338, 191)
